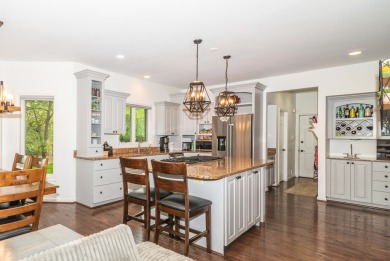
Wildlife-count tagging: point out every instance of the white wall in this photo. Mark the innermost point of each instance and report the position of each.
(306, 102)
(56, 79)
(357, 78)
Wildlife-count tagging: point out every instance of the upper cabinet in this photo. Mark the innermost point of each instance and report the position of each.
(90, 116)
(188, 124)
(352, 117)
(115, 112)
(167, 118)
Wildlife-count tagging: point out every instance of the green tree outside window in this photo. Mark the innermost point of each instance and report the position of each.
(39, 130)
(141, 125)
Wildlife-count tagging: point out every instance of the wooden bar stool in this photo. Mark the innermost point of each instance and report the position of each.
(136, 171)
(173, 177)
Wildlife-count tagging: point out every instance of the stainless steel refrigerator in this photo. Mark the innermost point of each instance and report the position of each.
(233, 138)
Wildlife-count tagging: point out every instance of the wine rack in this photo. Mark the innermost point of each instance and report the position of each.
(353, 127)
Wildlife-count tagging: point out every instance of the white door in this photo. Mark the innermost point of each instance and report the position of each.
(282, 146)
(307, 142)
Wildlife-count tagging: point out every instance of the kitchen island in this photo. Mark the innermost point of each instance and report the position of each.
(236, 187)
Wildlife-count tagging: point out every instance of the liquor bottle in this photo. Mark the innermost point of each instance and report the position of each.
(367, 111)
(361, 111)
(346, 111)
(352, 113)
(341, 113)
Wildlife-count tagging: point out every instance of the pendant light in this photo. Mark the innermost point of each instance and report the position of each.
(6, 100)
(226, 105)
(197, 99)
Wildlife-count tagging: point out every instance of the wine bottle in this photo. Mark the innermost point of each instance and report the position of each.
(367, 111)
(346, 111)
(352, 113)
(361, 111)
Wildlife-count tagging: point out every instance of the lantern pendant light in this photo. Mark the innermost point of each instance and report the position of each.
(197, 99)
(226, 105)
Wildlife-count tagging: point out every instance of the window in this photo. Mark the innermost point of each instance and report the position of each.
(38, 129)
(136, 124)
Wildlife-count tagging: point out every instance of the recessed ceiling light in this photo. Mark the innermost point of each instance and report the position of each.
(355, 53)
(147, 76)
(214, 49)
(120, 56)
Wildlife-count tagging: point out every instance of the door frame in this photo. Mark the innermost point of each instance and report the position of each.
(297, 140)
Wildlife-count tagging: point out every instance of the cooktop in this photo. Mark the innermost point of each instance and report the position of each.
(192, 159)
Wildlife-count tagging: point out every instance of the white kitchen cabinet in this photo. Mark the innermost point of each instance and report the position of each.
(98, 182)
(235, 206)
(381, 184)
(188, 124)
(115, 112)
(167, 115)
(90, 114)
(242, 203)
(253, 197)
(351, 180)
(207, 116)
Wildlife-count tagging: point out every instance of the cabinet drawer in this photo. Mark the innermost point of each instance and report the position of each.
(107, 192)
(381, 176)
(381, 198)
(95, 152)
(107, 176)
(106, 164)
(381, 186)
(381, 166)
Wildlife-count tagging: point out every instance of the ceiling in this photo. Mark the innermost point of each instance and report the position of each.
(264, 38)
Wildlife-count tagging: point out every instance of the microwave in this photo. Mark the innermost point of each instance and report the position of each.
(186, 146)
(203, 145)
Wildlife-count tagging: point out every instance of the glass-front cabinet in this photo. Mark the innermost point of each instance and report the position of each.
(90, 116)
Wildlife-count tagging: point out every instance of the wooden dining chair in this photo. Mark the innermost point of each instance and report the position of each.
(135, 171)
(21, 185)
(21, 162)
(37, 162)
(173, 177)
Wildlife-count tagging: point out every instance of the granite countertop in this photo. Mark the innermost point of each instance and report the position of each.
(358, 159)
(218, 169)
(134, 153)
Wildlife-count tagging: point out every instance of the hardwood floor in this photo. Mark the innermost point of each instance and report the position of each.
(296, 228)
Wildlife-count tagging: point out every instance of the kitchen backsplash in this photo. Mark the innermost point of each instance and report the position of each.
(364, 148)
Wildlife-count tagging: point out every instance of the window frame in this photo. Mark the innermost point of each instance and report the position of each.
(148, 111)
(23, 98)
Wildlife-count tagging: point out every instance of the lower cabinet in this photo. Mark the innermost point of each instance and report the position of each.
(381, 184)
(351, 180)
(98, 182)
(242, 203)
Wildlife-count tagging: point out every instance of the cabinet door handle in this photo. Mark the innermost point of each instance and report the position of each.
(386, 186)
(101, 192)
(386, 199)
(238, 177)
(96, 151)
(386, 167)
(101, 177)
(347, 162)
(352, 162)
(301, 150)
(255, 171)
(386, 176)
(101, 164)
(120, 188)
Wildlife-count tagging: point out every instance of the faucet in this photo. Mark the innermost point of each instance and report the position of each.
(351, 150)
(139, 144)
